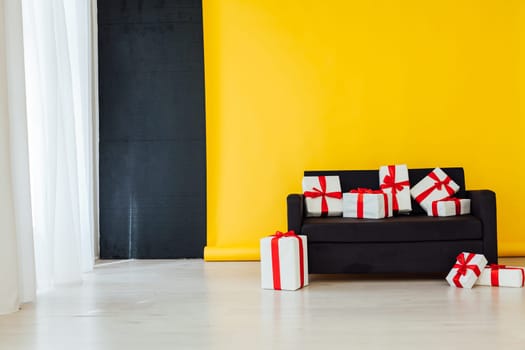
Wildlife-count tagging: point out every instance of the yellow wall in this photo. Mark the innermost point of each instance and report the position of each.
(294, 85)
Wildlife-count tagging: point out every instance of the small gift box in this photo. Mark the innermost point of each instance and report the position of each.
(466, 270)
(450, 207)
(367, 204)
(322, 195)
(502, 276)
(433, 187)
(284, 261)
(393, 179)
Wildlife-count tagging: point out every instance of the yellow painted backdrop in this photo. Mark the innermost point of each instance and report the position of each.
(295, 84)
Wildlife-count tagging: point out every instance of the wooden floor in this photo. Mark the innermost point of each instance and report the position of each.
(190, 304)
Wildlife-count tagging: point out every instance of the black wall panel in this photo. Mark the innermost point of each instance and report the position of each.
(152, 129)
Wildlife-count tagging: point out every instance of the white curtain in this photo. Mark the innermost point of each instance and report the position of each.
(46, 159)
(19, 162)
(8, 252)
(16, 229)
(57, 56)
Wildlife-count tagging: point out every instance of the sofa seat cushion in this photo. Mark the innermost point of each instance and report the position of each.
(396, 229)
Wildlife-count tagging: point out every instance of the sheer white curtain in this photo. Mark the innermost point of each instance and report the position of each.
(16, 230)
(57, 60)
(46, 159)
(8, 256)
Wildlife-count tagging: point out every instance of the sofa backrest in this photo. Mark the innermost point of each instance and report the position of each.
(351, 179)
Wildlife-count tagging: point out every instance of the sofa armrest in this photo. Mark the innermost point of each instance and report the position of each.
(295, 207)
(483, 206)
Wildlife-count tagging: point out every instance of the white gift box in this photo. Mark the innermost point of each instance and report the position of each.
(450, 207)
(502, 276)
(435, 186)
(466, 270)
(289, 252)
(394, 179)
(322, 195)
(367, 205)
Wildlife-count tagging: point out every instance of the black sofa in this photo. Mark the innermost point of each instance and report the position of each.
(414, 243)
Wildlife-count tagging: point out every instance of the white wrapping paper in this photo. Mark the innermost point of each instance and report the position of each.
(289, 263)
(466, 279)
(373, 205)
(400, 185)
(446, 207)
(313, 185)
(429, 189)
(508, 276)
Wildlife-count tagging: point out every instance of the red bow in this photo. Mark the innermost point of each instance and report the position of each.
(436, 186)
(389, 181)
(494, 273)
(275, 257)
(463, 266)
(323, 194)
(279, 234)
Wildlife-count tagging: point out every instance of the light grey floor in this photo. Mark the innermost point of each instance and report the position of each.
(190, 304)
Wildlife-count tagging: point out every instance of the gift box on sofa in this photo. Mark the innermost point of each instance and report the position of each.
(393, 179)
(322, 195)
(435, 186)
(450, 207)
(367, 204)
(466, 270)
(502, 276)
(284, 261)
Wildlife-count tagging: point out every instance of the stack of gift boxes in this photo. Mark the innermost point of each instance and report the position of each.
(471, 269)
(323, 197)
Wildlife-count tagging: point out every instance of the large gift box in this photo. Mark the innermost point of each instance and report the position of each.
(466, 270)
(450, 207)
(322, 195)
(367, 204)
(502, 276)
(394, 179)
(433, 187)
(284, 261)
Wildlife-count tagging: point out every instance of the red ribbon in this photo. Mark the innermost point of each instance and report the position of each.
(494, 273)
(389, 181)
(436, 186)
(276, 267)
(323, 194)
(456, 201)
(463, 266)
(360, 200)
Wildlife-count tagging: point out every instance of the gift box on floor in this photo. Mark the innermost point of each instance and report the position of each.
(367, 204)
(322, 195)
(284, 261)
(466, 270)
(502, 276)
(433, 187)
(450, 207)
(393, 179)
